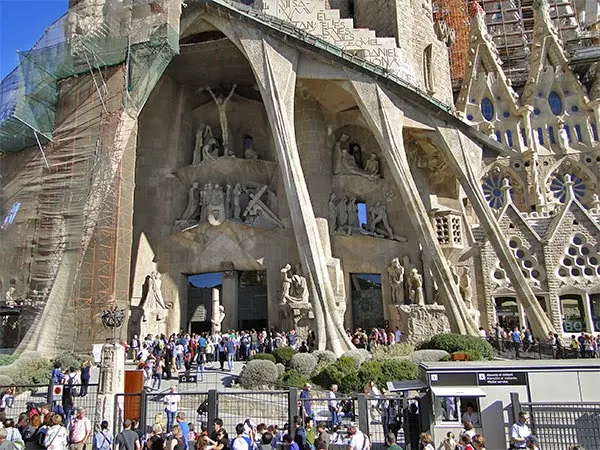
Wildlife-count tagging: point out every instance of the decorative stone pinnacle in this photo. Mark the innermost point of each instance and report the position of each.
(596, 201)
(506, 191)
(568, 183)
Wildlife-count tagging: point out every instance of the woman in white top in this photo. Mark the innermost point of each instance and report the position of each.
(57, 435)
(427, 441)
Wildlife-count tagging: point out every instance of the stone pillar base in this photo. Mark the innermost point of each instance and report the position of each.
(419, 323)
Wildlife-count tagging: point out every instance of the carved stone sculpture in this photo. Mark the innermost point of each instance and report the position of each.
(259, 213)
(352, 214)
(415, 288)
(337, 154)
(218, 312)
(332, 213)
(193, 206)
(216, 206)
(9, 299)
(378, 215)
(153, 302)
(372, 165)
(249, 152)
(466, 289)
(210, 150)
(237, 191)
(396, 279)
(563, 137)
(221, 106)
(197, 158)
(295, 294)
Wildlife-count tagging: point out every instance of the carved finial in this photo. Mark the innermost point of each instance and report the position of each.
(596, 202)
(506, 191)
(568, 184)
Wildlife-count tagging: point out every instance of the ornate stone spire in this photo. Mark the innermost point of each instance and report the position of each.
(568, 184)
(506, 191)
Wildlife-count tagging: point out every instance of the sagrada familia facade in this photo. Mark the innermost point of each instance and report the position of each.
(333, 163)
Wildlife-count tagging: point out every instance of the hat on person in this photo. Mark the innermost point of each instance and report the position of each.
(532, 438)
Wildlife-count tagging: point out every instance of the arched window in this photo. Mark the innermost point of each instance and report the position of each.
(524, 136)
(499, 137)
(487, 109)
(578, 132)
(595, 131)
(551, 135)
(555, 103)
(568, 130)
(540, 136)
(509, 138)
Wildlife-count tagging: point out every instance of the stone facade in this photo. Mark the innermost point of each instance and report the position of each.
(330, 144)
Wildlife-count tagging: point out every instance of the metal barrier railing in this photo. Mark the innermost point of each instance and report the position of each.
(558, 426)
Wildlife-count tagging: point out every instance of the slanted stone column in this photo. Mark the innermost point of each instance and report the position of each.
(459, 152)
(385, 120)
(111, 382)
(274, 65)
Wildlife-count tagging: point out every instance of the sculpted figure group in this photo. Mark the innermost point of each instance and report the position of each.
(406, 282)
(348, 160)
(344, 220)
(294, 298)
(215, 204)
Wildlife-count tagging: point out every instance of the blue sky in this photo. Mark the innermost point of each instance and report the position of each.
(22, 22)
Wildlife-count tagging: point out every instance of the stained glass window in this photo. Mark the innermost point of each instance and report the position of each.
(555, 103)
(492, 190)
(487, 109)
(559, 190)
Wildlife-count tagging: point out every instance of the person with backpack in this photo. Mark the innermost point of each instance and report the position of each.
(57, 435)
(13, 435)
(69, 392)
(103, 439)
(127, 439)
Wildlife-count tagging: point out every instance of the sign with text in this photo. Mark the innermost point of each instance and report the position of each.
(502, 378)
(183, 378)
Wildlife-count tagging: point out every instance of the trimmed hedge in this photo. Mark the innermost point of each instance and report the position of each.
(69, 359)
(263, 357)
(5, 360)
(360, 355)
(391, 351)
(293, 378)
(258, 374)
(453, 342)
(284, 355)
(324, 357)
(429, 355)
(304, 363)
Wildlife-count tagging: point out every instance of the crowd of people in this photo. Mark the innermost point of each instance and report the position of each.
(522, 340)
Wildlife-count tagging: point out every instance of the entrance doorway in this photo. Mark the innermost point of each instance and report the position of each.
(367, 305)
(252, 300)
(200, 288)
(507, 312)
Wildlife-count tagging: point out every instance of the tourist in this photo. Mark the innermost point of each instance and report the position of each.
(300, 435)
(8, 397)
(333, 405)
(519, 431)
(12, 434)
(177, 442)
(449, 442)
(80, 428)
(466, 442)
(323, 435)
(468, 430)
(358, 440)
(306, 402)
(159, 368)
(68, 393)
(390, 442)
(57, 375)
(515, 337)
(57, 436)
(478, 442)
(171, 401)
(135, 347)
(185, 429)
(532, 442)
(229, 348)
(320, 445)
(103, 439)
(218, 429)
(156, 441)
(241, 440)
(4, 443)
(574, 345)
(311, 432)
(289, 444)
(128, 439)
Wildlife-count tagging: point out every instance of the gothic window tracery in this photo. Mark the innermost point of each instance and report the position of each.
(555, 102)
(580, 260)
(492, 190)
(530, 266)
(559, 189)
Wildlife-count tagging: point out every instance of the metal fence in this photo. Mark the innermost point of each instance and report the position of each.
(26, 397)
(538, 350)
(560, 425)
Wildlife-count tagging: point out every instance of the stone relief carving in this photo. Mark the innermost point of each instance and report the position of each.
(466, 288)
(215, 204)
(344, 220)
(218, 317)
(396, 279)
(295, 295)
(249, 152)
(444, 33)
(153, 303)
(347, 160)
(222, 107)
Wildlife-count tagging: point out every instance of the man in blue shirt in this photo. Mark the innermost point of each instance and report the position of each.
(516, 340)
(306, 400)
(230, 351)
(185, 428)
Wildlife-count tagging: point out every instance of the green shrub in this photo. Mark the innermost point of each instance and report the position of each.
(5, 380)
(280, 369)
(284, 355)
(69, 359)
(303, 363)
(351, 383)
(369, 371)
(33, 371)
(471, 355)
(453, 342)
(390, 351)
(263, 357)
(258, 374)
(324, 357)
(335, 373)
(5, 360)
(394, 370)
(293, 378)
(428, 355)
(359, 356)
